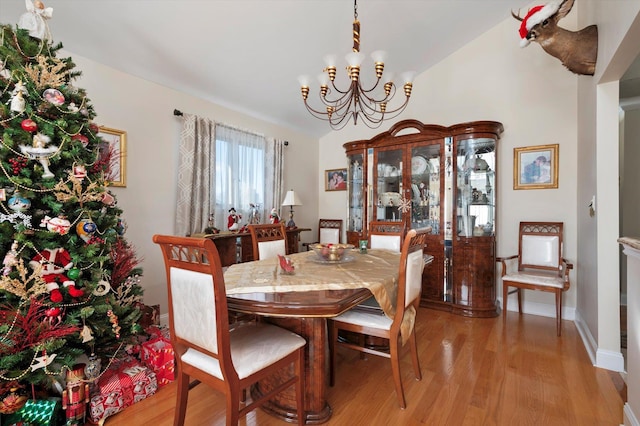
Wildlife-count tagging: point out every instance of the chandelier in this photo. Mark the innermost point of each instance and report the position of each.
(356, 101)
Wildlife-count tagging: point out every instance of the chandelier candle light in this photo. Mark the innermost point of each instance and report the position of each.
(356, 101)
(291, 199)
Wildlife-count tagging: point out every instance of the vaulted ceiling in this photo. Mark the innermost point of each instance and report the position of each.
(247, 54)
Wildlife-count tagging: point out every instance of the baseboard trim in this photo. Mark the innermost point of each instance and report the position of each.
(629, 417)
(602, 358)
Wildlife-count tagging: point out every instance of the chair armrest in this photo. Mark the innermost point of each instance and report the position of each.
(503, 260)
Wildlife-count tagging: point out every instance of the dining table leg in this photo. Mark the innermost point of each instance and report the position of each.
(283, 405)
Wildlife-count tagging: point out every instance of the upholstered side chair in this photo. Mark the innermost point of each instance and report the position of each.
(269, 240)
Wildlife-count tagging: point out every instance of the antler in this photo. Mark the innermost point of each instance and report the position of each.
(516, 16)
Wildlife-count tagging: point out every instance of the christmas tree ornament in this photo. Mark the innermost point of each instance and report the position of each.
(93, 367)
(102, 288)
(86, 334)
(41, 152)
(72, 107)
(35, 19)
(79, 172)
(42, 361)
(17, 103)
(85, 229)
(113, 319)
(121, 226)
(53, 96)
(53, 264)
(28, 125)
(73, 273)
(95, 129)
(10, 259)
(82, 138)
(108, 199)
(59, 225)
(18, 203)
(17, 164)
(12, 401)
(76, 395)
(19, 87)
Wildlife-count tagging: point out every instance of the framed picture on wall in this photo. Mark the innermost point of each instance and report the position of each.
(335, 180)
(535, 167)
(114, 147)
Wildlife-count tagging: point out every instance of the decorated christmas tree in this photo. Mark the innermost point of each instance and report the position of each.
(69, 285)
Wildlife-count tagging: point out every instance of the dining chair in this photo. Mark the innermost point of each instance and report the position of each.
(398, 330)
(540, 265)
(269, 240)
(329, 232)
(207, 349)
(386, 235)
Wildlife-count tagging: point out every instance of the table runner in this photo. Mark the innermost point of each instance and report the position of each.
(376, 270)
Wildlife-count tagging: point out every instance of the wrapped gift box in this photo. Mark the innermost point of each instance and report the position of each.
(41, 412)
(157, 353)
(121, 386)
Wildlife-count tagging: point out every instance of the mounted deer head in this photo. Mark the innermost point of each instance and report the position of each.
(577, 50)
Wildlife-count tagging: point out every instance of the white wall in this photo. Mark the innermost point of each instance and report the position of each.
(145, 111)
(598, 270)
(535, 98)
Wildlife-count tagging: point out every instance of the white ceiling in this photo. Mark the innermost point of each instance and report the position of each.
(247, 54)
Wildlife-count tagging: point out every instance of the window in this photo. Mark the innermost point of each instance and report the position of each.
(239, 172)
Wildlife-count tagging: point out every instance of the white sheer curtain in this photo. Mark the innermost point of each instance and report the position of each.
(223, 167)
(195, 171)
(240, 164)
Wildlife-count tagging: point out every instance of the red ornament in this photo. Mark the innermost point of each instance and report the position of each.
(28, 125)
(82, 138)
(94, 128)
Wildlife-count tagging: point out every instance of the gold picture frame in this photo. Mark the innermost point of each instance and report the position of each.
(535, 167)
(115, 141)
(335, 180)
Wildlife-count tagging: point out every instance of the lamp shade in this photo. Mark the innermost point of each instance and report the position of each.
(291, 199)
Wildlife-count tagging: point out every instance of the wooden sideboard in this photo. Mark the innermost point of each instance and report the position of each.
(234, 246)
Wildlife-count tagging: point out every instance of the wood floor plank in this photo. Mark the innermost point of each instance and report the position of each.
(474, 372)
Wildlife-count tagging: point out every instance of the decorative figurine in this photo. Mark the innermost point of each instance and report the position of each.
(274, 217)
(76, 396)
(54, 264)
(254, 215)
(233, 220)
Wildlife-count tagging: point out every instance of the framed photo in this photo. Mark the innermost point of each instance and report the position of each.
(535, 167)
(335, 180)
(115, 142)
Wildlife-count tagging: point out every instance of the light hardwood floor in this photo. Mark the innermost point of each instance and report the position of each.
(474, 372)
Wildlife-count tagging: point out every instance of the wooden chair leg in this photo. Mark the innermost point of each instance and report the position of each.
(233, 409)
(182, 395)
(395, 368)
(414, 355)
(559, 310)
(519, 301)
(505, 297)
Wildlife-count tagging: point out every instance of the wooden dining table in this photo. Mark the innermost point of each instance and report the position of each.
(302, 302)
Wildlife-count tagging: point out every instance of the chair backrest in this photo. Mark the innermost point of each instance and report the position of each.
(197, 299)
(410, 271)
(329, 231)
(386, 235)
(540, 246)
(269, 240)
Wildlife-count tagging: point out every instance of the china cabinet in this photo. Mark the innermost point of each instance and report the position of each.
(439, 177)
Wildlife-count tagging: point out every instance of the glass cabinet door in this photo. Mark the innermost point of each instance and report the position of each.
(356, 189)
(475, 198)
(388, 185)
(426, 164)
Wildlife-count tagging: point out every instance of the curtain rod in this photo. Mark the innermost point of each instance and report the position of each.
(177, 112)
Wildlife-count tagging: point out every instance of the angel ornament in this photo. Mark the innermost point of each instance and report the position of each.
(34, 20)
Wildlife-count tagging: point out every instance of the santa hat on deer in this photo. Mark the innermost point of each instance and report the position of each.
(535, 16)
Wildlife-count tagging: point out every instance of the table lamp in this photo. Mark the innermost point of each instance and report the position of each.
(291, 199)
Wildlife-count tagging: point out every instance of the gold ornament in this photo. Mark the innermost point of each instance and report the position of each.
(49, 72)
